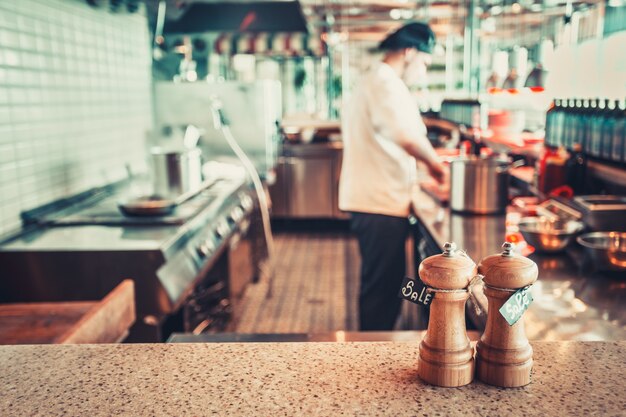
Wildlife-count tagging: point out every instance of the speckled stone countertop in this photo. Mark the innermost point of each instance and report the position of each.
(275, 379)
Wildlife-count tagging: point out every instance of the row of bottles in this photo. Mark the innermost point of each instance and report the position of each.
(470, 113)
(598, 126)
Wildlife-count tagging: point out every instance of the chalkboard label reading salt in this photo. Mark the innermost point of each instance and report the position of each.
(513, 309)
(415, 291)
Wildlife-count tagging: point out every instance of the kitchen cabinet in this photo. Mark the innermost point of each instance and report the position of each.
(104, 321)
(279, 190)
(307, 182)
(310, 186)
(243, 263)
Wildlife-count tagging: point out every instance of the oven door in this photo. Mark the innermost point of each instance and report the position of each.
(241, 266)
(208, 309)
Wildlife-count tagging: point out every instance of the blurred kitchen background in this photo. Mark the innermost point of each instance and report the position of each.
(89, 88)
(77, 78)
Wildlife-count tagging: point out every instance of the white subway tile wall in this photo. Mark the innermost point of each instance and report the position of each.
(75, 100)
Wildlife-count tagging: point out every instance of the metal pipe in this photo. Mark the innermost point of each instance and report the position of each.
(471, 62)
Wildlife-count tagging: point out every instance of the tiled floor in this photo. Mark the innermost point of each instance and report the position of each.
(313, 290)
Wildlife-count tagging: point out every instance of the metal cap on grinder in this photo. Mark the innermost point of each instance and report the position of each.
(508, 270)
(450, 270)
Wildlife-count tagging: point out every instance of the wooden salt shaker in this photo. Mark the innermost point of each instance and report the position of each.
(504, 356)
(446, 357)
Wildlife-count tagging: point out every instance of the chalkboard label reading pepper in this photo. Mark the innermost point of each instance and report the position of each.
(513, 309)
(415, 291)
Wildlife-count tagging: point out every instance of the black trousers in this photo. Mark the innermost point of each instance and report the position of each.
(383, 265)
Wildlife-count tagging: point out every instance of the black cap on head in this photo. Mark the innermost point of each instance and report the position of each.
(413, 35)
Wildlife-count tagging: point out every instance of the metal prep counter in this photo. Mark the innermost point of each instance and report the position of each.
(307, 181)
(570, 302)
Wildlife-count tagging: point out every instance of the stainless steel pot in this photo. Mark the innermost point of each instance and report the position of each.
(176, 171)
(479, 185)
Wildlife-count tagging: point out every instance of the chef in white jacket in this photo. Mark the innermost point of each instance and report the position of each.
(383, 136)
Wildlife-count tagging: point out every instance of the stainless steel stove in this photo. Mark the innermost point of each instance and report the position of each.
(80, 250)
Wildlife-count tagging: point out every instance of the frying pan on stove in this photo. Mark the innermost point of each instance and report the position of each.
(147, 206)
(153, 205)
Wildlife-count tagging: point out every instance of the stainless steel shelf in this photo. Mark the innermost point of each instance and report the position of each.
(607, 172)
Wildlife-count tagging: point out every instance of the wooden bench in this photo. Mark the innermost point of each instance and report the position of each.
(105, 321)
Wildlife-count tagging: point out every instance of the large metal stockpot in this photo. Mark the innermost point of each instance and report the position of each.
(479, 185)
(176, 171)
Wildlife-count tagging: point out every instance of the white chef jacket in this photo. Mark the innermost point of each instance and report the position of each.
(377, 174)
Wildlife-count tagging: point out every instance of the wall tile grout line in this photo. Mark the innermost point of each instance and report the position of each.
(74, 106)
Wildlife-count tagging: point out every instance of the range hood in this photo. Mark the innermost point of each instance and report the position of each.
(236, 16)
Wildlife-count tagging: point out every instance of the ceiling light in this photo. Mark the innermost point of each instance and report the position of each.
(516, 8)
(488, 25)
(334, 38)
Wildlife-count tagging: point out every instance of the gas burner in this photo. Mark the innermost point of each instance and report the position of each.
(107, 213)
(101, 207)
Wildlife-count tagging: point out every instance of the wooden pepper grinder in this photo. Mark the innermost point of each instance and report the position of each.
(504, 356)
(446, 357)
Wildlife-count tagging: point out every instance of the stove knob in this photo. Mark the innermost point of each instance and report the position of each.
(247, 203)
(209, 244)
(204, 250)
(222, 228)
(237, 214)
